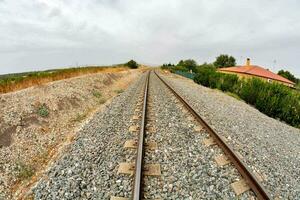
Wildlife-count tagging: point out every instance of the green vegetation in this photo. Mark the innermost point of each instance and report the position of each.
(224, 60)
(233, 95)
(79, 117)
(298, 86)
(43, 110)
(119, 91)
(100, 98)
(183, 65)
(102, 101)
(275, 100)
(24, 171)
(189, 64)
(96, 94)
(288, 75)
(132, 64)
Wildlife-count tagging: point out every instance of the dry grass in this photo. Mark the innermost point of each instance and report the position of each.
(14, 82)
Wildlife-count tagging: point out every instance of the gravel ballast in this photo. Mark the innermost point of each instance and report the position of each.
(268, 146)
(187, 165)
(88, 170)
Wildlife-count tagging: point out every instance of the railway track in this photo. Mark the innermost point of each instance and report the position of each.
(139, 169)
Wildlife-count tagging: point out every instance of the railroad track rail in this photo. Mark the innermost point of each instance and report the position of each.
(139, 164)
(245, 172)
(138, 168)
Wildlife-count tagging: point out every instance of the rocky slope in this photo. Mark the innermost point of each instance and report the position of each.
(36, 122)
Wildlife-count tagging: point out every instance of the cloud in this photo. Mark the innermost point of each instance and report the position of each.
(39, 34)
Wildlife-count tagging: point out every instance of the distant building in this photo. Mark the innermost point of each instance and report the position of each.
(250, 71)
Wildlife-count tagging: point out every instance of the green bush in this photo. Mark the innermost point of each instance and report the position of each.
(250, 89)
(96, 94)
(228, 82)
(132, 64)
(43, 110)
(119, 91)
(24, 171)
(203, 76)
(189, 64)
(178, 68)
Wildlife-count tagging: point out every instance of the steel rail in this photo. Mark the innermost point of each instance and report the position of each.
(245, 172)
(138, 177)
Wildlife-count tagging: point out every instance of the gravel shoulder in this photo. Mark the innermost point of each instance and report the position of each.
(269, 147)
(36, 122)
(88, 170)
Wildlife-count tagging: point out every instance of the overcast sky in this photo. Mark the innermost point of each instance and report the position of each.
(42, 34)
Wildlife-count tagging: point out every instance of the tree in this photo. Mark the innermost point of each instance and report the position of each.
(224, 60)
(189, 64)
(288, 75)
(180, 63)
(204, 65)
(132, 64)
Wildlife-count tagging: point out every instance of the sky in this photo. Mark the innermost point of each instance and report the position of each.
(45, 34)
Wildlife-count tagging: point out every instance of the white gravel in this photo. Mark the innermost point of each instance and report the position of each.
(268, 146)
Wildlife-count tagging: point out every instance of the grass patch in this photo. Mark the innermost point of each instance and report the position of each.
(79, 117)
(234, 95)
(119, 91)
(24, 171)
(102, 101)
(96, 94)
(43, 111)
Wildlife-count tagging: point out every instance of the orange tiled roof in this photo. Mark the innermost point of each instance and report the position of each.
(257, 71)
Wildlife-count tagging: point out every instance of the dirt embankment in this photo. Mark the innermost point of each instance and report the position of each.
(36, 122)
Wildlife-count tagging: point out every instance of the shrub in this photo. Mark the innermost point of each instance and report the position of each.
(249, 90)
(203, 76)
(96, 94)
(178, 68)
(102, 101)
(189, 64)
(119, 91)
(228, 82)
(43, 110)
(79, 117)
(24, 171)
(132, 64)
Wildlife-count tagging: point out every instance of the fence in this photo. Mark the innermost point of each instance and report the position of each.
(186, 74)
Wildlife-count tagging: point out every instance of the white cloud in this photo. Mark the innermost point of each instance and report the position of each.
(39, 34)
